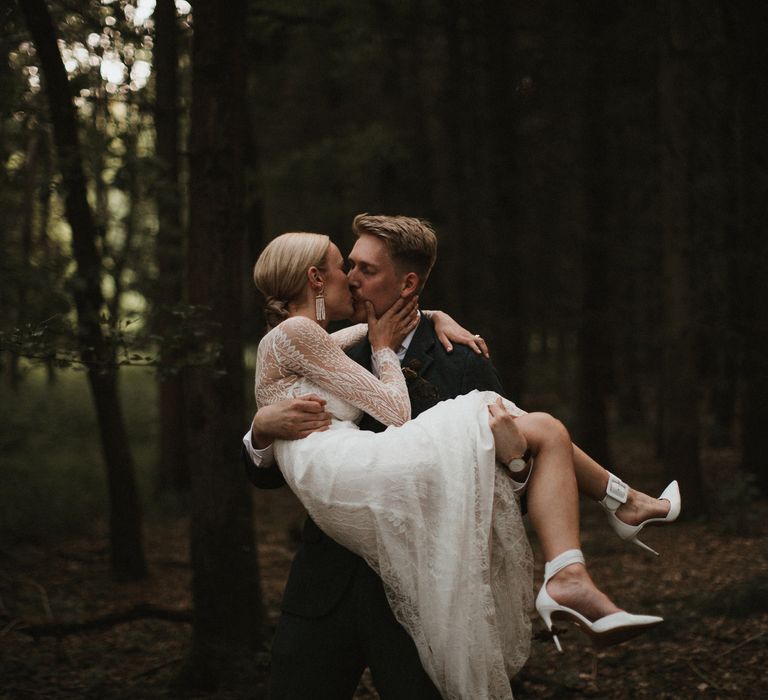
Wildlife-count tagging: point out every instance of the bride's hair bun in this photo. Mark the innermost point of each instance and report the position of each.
(275, 311)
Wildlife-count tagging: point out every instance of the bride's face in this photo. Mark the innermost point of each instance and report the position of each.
(338, 298)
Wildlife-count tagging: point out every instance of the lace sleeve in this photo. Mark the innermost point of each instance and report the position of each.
(304, 348)
(347, 337)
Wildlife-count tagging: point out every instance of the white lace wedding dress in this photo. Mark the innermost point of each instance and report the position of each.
(423, 503)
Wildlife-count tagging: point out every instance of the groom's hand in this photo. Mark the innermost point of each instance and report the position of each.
(291, 419)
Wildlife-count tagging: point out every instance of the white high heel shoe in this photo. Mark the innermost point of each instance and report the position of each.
(616, 494)
(611, 629)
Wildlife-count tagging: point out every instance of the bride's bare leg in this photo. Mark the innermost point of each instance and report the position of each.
(554, 512)
(593, 480)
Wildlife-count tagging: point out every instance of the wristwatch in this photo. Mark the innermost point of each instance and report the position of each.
(517, 464)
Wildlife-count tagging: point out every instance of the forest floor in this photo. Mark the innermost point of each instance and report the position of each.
(710, 584)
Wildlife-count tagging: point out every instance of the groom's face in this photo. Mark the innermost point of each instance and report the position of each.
(373, 276)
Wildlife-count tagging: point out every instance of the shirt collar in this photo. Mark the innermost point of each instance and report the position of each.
(406, 344)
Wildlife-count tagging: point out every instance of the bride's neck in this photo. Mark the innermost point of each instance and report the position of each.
(307, 310)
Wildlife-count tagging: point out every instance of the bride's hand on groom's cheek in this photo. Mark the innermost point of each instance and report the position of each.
(291, 419)
(391, 328)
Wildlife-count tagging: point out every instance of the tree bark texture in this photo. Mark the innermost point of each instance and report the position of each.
(507, 239)
(225, 582)
(476, 191)
(127, 552)
(679, 394)
(595, 331)
(751, 23)
(172, 471)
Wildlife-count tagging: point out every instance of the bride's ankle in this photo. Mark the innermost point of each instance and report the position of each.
(573, 587)
(640, 507)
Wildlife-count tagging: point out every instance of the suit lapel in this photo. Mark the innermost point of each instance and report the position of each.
(419, 356)
(361, 353)
(420, 351)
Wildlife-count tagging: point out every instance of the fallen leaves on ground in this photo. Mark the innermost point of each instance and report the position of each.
(710, 585)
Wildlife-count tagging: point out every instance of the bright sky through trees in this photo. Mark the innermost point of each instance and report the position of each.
(122, 65)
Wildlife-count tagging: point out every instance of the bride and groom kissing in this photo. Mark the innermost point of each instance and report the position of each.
(414, 561)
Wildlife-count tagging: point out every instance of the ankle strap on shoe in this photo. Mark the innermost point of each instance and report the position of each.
(566, 558)
(615, 493)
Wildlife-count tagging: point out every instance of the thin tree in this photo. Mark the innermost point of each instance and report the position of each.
(679, 396)
(172, 471)
(127, 554)
(595, 331)
(225, 580)
(504, 107)
(27, 228)
(750, 24)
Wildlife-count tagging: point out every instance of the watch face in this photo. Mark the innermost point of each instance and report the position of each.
(516, 465)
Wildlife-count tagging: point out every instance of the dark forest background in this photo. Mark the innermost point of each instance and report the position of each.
(597, 173)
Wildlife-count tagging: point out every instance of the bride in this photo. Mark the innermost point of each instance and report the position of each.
(424, 502)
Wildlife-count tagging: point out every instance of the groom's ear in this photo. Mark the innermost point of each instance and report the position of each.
(410, 284)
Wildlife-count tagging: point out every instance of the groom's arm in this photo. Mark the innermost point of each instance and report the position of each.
(262, 474)
(290, 419)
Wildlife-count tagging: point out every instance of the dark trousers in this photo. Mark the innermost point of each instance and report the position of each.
(322, 658)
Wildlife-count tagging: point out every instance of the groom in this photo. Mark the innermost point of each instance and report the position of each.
(335, 617)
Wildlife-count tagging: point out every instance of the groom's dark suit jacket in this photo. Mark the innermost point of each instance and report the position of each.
(322, 568)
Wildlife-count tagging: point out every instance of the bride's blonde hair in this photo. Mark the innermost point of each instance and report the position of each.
(280, 273)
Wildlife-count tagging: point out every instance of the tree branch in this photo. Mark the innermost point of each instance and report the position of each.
(137, 612)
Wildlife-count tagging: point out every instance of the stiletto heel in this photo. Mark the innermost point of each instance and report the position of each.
(547, 617)
(616, 494)
(611, 629)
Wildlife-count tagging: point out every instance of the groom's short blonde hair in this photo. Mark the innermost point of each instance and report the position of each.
(411, 242)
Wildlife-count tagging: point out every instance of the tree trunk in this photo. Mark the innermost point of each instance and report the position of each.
(595, 333)
(172, 472)
(225, 581)
(452, 198)
(43, 241)
(27, 228)
(679, 395)
(752, 63)
(504, 109)
(724, 346)
(125, 522)
(476, 169)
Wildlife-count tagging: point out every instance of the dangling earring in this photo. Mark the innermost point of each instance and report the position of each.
(320, 306)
